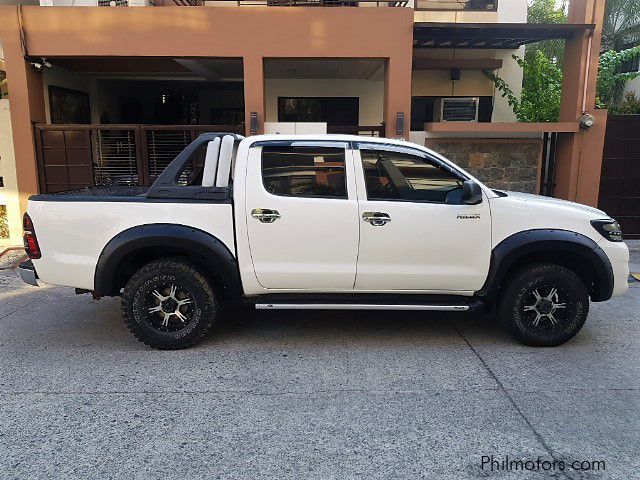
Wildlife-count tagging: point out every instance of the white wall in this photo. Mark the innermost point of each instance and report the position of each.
(438, 83)
(512, 74)
(9, 193)
(509, 11)
(370, 92)
(512, 11)
(632, 86)
(73, 81)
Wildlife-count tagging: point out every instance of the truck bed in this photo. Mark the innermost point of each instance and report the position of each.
(74, 227)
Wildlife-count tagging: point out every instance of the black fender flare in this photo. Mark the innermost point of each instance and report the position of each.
(211, 252)
(515, 247)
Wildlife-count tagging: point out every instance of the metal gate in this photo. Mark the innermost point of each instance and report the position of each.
(78, 156)
(620, 178)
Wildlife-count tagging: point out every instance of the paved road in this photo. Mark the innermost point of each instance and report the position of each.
(309, 395)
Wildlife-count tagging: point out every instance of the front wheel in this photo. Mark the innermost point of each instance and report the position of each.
(543, 305)
(168, 304)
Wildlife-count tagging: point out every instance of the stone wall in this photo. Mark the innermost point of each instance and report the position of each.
(508, 164)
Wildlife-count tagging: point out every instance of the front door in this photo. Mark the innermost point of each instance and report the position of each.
(302, 215)
(415, 234)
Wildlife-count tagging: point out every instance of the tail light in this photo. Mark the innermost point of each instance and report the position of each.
(30, 240)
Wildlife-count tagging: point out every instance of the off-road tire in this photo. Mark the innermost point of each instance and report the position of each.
(162, 275)
(519, 307)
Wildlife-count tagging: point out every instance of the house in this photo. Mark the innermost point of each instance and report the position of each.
(109, 93)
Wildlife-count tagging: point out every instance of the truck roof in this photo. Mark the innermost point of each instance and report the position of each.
(331, 137)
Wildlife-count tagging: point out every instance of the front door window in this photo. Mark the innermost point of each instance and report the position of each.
(405, 177)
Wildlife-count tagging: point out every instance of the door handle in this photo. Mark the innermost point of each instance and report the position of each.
(377, 219)
(265, 215)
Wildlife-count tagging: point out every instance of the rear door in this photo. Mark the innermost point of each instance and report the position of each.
(415, 234)
(302, 215)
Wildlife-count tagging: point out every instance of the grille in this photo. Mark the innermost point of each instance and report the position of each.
(162, 147)
(459, 110)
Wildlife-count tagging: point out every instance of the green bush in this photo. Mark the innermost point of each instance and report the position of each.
(610, 80)
(4, 225)
(629, 106)
(541, 89)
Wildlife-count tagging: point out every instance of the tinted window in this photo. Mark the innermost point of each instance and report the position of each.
(304, 171)
(400, 176)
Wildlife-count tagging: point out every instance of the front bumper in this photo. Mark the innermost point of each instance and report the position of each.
(27, 273)
(618, 254)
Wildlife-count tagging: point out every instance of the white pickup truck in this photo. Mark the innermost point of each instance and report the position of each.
(324, 222)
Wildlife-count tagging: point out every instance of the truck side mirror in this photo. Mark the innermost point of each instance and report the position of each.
(471, 193)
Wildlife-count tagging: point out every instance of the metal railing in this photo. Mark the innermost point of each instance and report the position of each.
(457, 5)
(77, 156)
(366, 130)
(179, 3)
(307, 3)
(442, 5)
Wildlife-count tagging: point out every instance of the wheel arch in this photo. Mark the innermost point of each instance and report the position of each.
(136, 246)
(573, 250)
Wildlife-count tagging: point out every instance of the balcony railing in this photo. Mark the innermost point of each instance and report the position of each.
(306, 3)
(363, 130)
(442, 5)
(463, 5)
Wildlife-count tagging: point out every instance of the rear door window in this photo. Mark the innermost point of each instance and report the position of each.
(293, 171)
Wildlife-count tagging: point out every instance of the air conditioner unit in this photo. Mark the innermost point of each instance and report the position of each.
(459, 109)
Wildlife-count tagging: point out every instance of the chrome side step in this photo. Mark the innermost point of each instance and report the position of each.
(359, 306)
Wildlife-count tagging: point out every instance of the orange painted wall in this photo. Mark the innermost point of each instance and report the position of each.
(250, 33)
(26, 102)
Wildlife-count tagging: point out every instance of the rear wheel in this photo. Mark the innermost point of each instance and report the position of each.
(543, 305)
(168, 304)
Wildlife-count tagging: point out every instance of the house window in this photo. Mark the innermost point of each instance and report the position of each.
(335, 111)
(480, 5)
(68, 106)
(630, 66)
(304, 171)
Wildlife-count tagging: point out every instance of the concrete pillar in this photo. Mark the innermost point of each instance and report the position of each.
(254, 92)
(397, 93)
(574, 159)
(26, 98)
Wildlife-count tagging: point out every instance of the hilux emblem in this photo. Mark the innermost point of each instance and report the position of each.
(468, 216)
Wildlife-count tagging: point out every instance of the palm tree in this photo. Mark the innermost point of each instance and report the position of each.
(621, 27)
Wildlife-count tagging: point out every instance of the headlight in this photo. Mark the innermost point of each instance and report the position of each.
(609, 229)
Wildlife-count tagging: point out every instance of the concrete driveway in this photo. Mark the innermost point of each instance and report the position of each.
(311, 395)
